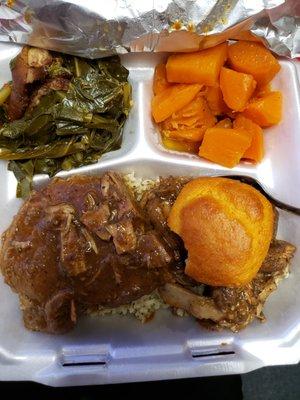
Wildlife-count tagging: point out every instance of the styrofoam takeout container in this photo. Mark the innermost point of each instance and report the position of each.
(121, 349)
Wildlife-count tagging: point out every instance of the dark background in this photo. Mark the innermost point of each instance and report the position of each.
(273, 383)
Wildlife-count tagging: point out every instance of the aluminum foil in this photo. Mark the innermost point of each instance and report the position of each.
(97, 28)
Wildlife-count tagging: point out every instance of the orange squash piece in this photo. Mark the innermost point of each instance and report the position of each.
(256, 150)
(263, 90)
(236, 87)
(199, 67)
(254, 59)
(160, 82)
(215, 100)
(265, 111)
(196, 114)
(224, 123)
(186, 135)
(176, 145)
(225, 146)
(172, 100)
(190, 123)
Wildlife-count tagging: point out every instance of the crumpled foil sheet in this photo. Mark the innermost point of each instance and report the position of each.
(97, 28)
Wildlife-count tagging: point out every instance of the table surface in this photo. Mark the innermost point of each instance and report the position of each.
(273, 383)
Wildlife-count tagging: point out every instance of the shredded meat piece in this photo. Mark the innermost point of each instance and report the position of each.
(153, 251)
(96, 221)
(73, 243)
(123, 235)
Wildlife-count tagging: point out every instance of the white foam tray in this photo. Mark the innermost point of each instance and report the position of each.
(120, 349)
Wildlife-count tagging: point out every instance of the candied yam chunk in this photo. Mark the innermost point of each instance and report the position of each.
(172, 100)
(160, 82)
(196, 114)
(237, 88)
(176, 145)
(186, 135)
(215, 100)
(256, 150)
(265, 111)
(263, 90)
(254, 59)
(224, 123)
(225, 146)
(199, 67)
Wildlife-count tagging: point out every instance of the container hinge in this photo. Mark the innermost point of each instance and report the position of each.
(196, 354)
(84, 360)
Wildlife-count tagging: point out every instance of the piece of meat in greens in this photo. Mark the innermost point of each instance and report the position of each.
(63, 112)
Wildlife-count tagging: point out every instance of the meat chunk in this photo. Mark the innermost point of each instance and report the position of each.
(156, 203)
(73, 242)
(117, 217)
(242, 305)
(38, 58)
(58, 83)
(19, 97)
(123, 235)
(153, 252)
(54, 254)
(238, 306)
(234, 308)
(278, 257)
(57, 316)
(29, 66)
(199, 306)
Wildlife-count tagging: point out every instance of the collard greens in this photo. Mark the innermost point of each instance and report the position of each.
(68, 129)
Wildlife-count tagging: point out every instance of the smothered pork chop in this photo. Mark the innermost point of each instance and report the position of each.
(83, 240)
(88, 242)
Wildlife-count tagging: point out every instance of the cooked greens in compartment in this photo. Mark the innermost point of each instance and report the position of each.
(60, 112)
